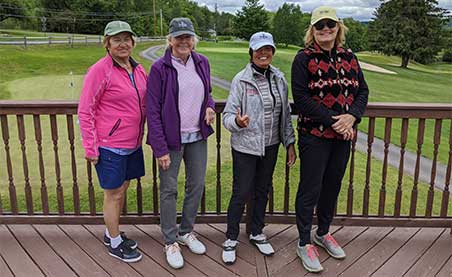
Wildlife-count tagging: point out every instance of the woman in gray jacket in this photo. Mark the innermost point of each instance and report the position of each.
(257, 114)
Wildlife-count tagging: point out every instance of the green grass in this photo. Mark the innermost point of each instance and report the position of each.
(42, 72)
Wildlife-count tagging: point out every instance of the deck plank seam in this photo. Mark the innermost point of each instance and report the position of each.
(218, 260)
(25, 250)
(7, 265)
(368, 249)
(426, 250)
(444, 264)
(54, 251)
(395, 252)
(83, 250)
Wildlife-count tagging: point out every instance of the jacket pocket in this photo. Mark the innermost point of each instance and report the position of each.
(115, 127)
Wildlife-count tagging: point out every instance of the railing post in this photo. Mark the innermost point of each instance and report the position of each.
(25, 41)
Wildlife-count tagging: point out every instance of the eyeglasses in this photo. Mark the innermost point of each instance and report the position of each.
(118, 41)
(321, 24)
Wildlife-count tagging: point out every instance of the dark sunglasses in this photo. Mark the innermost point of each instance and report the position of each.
(321, 24)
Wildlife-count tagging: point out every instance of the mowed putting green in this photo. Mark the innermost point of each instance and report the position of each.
(47, 87)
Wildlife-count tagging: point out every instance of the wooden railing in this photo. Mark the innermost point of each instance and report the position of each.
(39, 136)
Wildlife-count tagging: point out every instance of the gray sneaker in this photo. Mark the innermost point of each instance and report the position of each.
(309, 257)
(330, 245)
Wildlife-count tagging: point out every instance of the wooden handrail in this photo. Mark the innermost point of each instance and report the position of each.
(16, 116)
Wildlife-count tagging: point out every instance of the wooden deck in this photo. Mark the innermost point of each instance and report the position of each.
(77, 250)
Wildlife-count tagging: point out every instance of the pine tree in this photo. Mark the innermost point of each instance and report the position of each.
(408, 28)
(250, 19)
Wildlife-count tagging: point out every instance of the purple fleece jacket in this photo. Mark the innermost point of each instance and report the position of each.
(162, 103)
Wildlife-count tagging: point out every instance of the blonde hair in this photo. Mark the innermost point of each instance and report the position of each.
(340, 37)
(169, 37)
(106, 41)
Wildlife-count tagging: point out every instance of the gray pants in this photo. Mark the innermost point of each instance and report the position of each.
(195, 160)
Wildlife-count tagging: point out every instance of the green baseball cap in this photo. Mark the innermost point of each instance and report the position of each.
(323, 12)
(116, 27)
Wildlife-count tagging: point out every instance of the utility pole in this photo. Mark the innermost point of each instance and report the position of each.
(161, 23)
(154, 17)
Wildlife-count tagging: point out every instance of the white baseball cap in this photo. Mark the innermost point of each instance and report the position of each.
(261, 39)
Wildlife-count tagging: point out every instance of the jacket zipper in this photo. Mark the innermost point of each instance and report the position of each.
(139, 102)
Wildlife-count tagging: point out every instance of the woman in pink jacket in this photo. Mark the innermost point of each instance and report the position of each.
(111, 115)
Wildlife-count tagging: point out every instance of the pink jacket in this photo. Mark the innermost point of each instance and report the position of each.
(111, 111)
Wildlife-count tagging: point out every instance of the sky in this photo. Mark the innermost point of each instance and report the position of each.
(361, 10)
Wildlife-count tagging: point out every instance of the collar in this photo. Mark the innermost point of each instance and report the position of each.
(179, 60)
(262, 71)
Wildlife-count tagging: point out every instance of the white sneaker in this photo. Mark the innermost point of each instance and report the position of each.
(229, 247)
(260, 241)
(192, 242)
(174, 256)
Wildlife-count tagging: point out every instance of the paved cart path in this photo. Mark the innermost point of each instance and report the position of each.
(361, 144)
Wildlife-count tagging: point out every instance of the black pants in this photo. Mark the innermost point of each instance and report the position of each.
(252, 177)
(323, 164)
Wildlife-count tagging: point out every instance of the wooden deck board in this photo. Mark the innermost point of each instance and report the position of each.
(434, 258)
(380, 253)
(4, 269)
(68, 250)
(49, 262)
(288, 254)
(244, 251)
(146, 265)
(15, 256)
(64, 250)
(446, 270)
(354, 250)
(409, 253)
(209, 264)
(97, 251)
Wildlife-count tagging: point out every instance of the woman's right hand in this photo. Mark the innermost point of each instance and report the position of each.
(164, 161)
(92, 160)
(242, 121)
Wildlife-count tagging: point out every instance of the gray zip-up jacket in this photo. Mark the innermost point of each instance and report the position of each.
(245, 95)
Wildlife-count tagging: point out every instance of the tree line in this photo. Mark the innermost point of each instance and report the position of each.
(418, 30)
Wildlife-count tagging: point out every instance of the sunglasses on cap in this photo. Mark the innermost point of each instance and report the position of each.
(321, 24)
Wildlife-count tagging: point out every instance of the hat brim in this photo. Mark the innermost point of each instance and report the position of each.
(121, 31)
(262, 44)
(180, 33)
(325, 17)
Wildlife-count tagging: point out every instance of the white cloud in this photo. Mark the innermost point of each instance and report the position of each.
(357, 9)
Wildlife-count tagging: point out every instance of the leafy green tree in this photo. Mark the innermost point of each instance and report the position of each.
(356, 38)
(250, 19)
(408, 28)
(288, 25)
(11, 8)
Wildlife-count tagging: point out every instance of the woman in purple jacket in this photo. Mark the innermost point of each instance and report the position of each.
(180, 110)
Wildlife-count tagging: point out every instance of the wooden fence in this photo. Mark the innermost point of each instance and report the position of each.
(28, 118)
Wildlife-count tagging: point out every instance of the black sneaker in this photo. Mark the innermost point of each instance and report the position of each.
(125, 253)
(129, 242)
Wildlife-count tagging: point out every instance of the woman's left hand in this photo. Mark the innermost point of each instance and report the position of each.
(344, 122)
(292, 156)
(210, 115)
